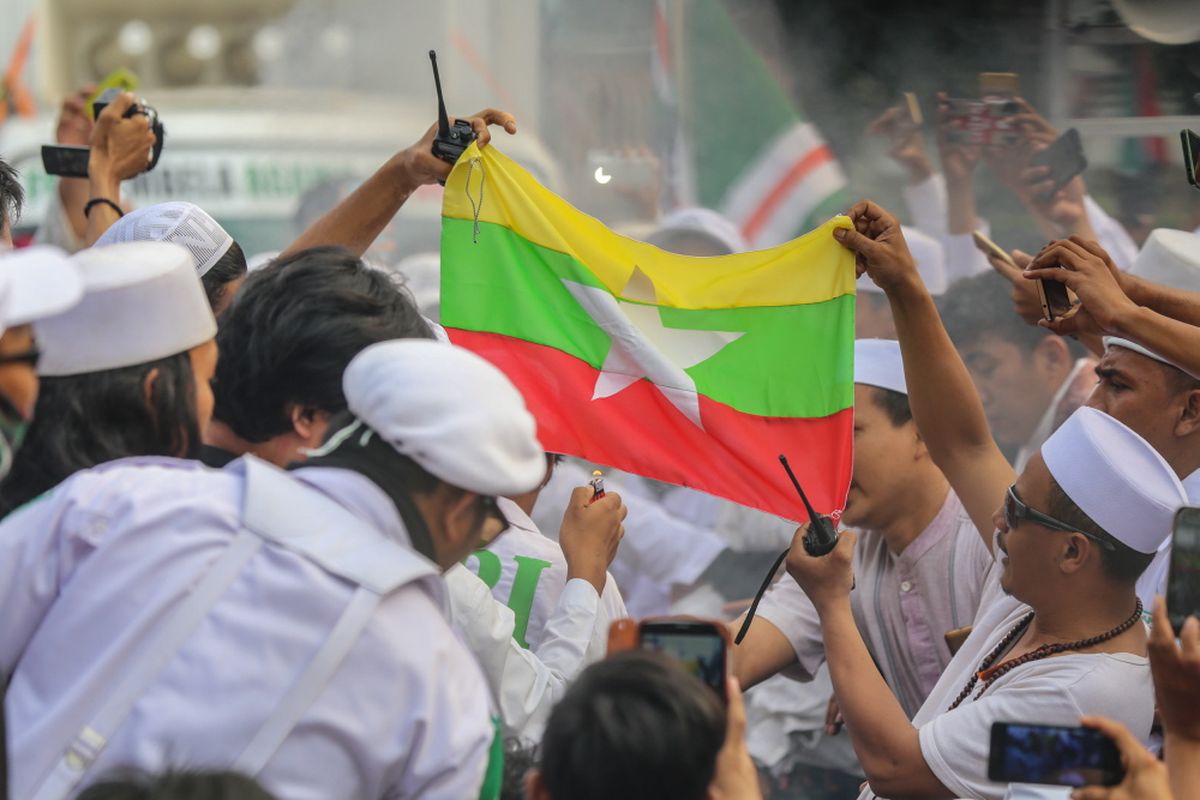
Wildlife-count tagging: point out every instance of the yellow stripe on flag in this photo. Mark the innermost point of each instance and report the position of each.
(811, 269)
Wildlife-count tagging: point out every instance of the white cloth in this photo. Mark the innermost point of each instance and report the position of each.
(87, 571)
(927, 203)
(178, 222)
(1153, 581)
(563, 622)
(36, 282)
(1053, 691)
(660, 551)
(1111, 234)
(785, 726)
(527, 571)
(903, 604)
(877, 362)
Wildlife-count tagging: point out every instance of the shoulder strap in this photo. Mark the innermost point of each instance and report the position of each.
(280, 509)
(92, 738)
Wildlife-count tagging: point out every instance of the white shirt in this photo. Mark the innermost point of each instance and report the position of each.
(903, 603)
(88, 570)
(571, 630)
(1053, 691)
(1153, 581)
(660, 550)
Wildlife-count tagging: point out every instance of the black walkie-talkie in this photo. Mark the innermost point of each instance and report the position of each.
(820, 540)
(451, 140)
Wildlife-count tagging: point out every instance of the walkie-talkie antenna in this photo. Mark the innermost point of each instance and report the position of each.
(443, 118)
(812, 514)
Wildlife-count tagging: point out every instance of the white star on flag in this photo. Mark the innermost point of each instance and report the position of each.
(642, 347)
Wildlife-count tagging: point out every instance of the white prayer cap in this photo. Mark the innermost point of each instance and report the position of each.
(1141, 349)
(36, 282)
(877, 362)
(1170, 257)
(1115, 477)
(182, 223)
(702, 221)
(931, 262)
(142, 301)
(450, 411)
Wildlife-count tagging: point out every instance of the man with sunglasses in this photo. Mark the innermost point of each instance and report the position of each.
(1058, 630)
(292, 623)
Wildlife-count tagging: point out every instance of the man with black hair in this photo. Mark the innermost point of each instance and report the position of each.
(285, 342)
(1029, 379)
(636, 726)
(12, 200)
(919, 562)
(289, 624)
(1058, 630)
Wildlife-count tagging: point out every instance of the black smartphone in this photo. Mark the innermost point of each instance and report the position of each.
(1191, 155)
(1053, 754)
(65, 161)
(1065, 159)
(700, 647)
(1183, 576)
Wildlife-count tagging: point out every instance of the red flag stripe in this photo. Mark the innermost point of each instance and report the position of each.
(799, 171)
(639, 431)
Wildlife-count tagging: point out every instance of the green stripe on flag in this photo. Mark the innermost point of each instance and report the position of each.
(510, 286)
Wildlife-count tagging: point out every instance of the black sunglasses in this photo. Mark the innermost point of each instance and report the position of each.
(1015, 511)
(31, 357)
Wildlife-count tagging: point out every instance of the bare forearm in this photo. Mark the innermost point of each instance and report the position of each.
(1175, 303)
(359, 219)
(764, 652)
(1183, 767)
(947, 408)
(101, 183)
(73, 194)
(1177, 342)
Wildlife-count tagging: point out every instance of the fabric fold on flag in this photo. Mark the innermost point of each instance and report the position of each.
(693, 371)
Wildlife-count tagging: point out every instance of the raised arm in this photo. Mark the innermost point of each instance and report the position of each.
(120, 149)
(944, 401)
(358, 220)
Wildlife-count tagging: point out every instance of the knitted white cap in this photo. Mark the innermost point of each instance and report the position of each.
(180, 223)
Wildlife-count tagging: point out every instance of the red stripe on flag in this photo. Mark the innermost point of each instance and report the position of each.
(639, 431)
(799, 171)
(662, 39)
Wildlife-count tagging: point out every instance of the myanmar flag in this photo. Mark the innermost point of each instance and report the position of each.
(692, 371)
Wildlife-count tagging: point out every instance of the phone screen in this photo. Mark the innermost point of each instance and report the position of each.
(698, 647)
(1183, 578)
(1052, 754)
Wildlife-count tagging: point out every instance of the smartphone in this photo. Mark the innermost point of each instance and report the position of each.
(1183, 575)
(1065, 159)
(987, 121)
(66, 160)
(699, 647)
(1053, 754)
(999, 84)
(990, 248)
(1053, 297)
(1191, 155)
(912, 108)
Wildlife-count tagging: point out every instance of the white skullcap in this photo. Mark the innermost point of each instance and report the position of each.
(450, 411)
(142, 301)
(702, 221)
(36, 282)
(877, 362)
(181, 223)
(931, 263)
(1115, 477)
(1141, 349)
(1170, 257)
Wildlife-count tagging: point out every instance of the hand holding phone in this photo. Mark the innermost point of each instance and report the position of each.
(1183, 575)
(699, 647)
(1191, 155)
(1063, 160)
(1053, 754)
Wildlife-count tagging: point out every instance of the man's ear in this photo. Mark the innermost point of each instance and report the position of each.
(1189, 421)
(1052, 356)
(309, 423)
(148, 384)
(1076, 552)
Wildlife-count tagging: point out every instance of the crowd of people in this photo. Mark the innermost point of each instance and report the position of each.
(266, 532)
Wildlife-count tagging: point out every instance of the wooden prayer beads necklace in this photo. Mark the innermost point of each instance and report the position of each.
(988, 673)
